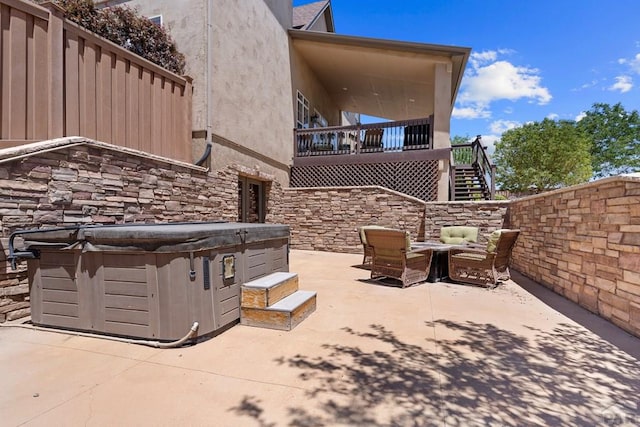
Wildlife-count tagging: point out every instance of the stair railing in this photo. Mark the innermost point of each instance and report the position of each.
(487, 169)
(474, 154)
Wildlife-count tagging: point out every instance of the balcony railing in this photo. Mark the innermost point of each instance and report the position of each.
(364, 138)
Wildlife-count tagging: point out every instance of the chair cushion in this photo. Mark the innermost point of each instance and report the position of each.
(469, 256)
(458, 234)
(492, 242)
(363, 237)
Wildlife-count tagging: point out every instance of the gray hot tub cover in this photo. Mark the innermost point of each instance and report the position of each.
(171, 237)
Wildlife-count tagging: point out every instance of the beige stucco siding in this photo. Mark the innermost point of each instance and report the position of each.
(252, 79)
(306, 82)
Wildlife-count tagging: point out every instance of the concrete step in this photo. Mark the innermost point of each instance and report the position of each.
(284, 315)
(268, 290)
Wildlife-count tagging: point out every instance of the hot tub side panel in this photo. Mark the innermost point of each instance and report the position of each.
(185, 298)
(266, 257)
(55, 292)
(125, 297)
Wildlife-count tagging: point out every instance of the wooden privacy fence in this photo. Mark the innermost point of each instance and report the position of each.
(59, 79)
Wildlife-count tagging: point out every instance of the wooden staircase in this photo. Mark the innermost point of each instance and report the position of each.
(468, 184)
(274, 302)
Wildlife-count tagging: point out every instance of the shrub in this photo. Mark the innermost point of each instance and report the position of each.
(123, 26)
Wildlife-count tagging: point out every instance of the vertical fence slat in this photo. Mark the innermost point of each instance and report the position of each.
(133, 106)
(56, 74)
(119, 101)
(104, 94)
(156, 118)
(88, 96)
(40, 102)
(165, 117)
(144, 120)
(72, 85)
(18, 75)
(165, 120)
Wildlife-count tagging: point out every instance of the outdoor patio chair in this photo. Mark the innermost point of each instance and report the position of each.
(368, 251)
(372, 140)
(393, 258)
(458, 234)
(484, 267)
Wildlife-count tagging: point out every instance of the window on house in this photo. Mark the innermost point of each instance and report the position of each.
(156, 20)
(302, 118)
(251, 200)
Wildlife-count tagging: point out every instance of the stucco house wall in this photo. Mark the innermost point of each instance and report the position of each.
(249, 105)
(307, 83)
(251, 81)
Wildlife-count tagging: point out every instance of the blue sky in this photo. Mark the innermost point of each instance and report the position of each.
(529, 60)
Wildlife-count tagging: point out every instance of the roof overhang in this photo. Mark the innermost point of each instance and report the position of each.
(383, 78)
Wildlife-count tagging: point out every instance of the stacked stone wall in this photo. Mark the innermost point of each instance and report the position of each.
(486, 215)
(584, 243)
(96, 183)
(327, 219)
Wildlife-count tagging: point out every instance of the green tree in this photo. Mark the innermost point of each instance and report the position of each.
(542, 155)
(616, 139)
(125, 27)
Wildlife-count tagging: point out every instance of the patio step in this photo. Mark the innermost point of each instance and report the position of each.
(284, 315)
(268, 290)
(275, 302)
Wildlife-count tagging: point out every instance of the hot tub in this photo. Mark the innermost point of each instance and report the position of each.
(148, 280)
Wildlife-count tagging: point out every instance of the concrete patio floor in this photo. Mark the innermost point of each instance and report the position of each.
(371, 354)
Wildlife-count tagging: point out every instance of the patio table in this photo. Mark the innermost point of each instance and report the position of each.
(439, 269)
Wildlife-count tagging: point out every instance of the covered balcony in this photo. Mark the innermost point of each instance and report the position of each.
(412, 87)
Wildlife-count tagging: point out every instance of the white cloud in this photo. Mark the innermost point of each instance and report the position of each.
(503, 80)
(633, 63)
(489, 79)
(489, 141)
(592, 83)
(501, 126)
(477, 111)
(479, 58)
(552, 116)
(622, 84)
(581, 115)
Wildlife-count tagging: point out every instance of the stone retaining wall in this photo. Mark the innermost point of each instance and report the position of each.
(584, 243)
(326, 219)
(486, 215)
(76, 181)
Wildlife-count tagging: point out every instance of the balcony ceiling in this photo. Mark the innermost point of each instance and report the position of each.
(383, 78)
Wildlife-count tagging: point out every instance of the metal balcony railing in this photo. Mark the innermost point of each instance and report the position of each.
(364, 138)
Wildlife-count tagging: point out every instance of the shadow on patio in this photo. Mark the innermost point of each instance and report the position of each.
(467, 372)
(486, 376)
